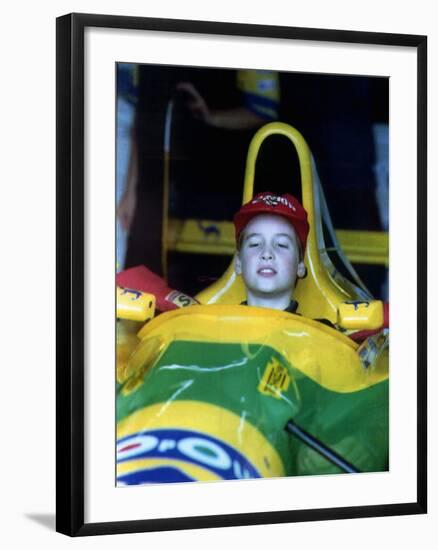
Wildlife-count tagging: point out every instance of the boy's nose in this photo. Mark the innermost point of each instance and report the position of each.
(267, 254)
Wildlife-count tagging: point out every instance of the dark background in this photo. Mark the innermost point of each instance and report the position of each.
(334, 113)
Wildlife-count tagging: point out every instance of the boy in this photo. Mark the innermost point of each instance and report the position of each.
(271, 235)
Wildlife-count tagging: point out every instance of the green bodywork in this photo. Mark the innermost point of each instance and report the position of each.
(354, 425)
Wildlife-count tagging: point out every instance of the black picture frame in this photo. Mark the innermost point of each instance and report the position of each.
(70, 272)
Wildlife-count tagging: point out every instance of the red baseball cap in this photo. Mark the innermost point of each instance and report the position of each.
(270, 203)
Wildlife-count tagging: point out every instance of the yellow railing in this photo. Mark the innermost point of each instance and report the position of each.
(217, 238)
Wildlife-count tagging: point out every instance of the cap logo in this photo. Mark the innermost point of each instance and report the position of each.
(274, 200)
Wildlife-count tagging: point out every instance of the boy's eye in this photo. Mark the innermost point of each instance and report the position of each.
(283, 245)
(253, 244)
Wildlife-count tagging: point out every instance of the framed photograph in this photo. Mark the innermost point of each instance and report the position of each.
(237, 206)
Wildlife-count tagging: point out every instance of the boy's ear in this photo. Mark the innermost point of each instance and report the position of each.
(301, 270)
(237, 265)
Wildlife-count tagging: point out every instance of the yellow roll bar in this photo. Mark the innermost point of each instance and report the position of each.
(324, 289)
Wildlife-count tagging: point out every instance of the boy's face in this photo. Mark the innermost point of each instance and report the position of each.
(269, 257)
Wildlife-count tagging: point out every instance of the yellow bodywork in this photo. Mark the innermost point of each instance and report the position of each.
(318, 351)
(323, 294)
(134, 305)
(356, 315)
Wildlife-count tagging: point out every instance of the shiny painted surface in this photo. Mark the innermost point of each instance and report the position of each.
(207, 393)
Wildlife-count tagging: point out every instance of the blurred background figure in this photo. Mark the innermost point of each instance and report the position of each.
(260, 98)
(224, 116)
(381, 162)
(381, 172)
(126, 159)
(215, 115)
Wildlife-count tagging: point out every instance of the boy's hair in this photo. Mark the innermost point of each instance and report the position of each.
(285, 205)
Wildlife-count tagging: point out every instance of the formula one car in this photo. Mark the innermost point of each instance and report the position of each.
(217, 390)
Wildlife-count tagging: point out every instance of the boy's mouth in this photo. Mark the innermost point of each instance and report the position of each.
(266, 272)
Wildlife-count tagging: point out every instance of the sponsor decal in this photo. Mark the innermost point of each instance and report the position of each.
(274, 200)
(358, 304)
(180, 299)
(198, 440)
(175, 455)
(209, 229)
(134, 294)
(275, 379)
